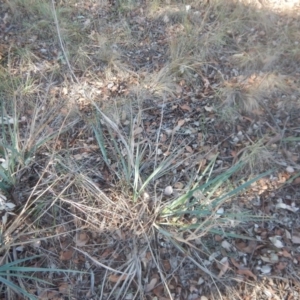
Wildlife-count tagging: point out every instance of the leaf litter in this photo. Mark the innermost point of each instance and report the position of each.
(184, 105)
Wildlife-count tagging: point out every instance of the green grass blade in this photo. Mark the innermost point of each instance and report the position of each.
(159, 171)
(19, 275)
(126, 167)
(100, 140)
(32, 269)
(3, 174)
(239, 189)
(209, 187)
(4, 187)
(16, 288)
(7, 266)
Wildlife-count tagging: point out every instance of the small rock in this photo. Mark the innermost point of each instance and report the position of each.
(235, 139)
(166, 19)
(266, 269)
(187, 7)
(110, 85)
(290, 169)
(168, 191)
(220, 211)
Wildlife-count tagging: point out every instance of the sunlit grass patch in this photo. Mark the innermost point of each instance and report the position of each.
(124, 6)
(248, 93)
(74, 29)
(183, 66)
(7, 84)
(257, 157)
(241, 98)
(32, 8)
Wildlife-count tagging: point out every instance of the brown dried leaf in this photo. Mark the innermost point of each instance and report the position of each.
(233, 153)
(285, 253)
(178, 89)
(180, 123)
(185, 107)
(106, 253)
(218, 238)
(296, 181)
(146, 257)
(159, 291)
(138, 130)
(223, 265)
(150, 286)
(115, 278)
(81, 239)
(202, 164)
(281, 265)
(64, 288)
(189, 149)
(178, 185)
(163, 138)
(167, 265)
(210, 156)
(48, 295)
(247, 273)
(241, 246)
(66, 255)
(250, 248)
(235, 263)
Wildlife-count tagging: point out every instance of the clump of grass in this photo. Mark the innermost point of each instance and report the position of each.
(183, 65)
(124, 6)
(204, 199)
(11, 271)
(134, 154)
(247, 93)
(22, 198)
(241, 99)
(126, 157)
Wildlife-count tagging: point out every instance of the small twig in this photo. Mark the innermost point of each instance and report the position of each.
(100, 264)
(158, 133)
(61, 42)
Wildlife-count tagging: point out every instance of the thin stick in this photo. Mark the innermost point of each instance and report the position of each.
(61, 42)
(100, 264)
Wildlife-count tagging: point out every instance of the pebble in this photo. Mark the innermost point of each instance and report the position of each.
(168, 191)
(290, 169)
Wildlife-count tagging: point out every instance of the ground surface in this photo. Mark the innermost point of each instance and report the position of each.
(108, 94)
